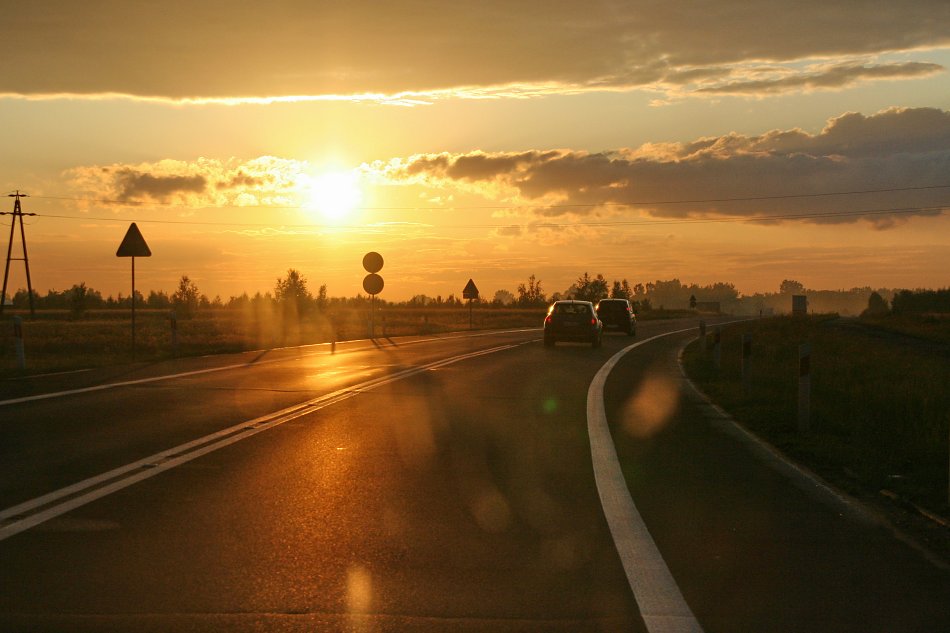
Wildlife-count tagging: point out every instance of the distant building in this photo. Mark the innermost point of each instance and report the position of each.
(799, 305)
(708, 307)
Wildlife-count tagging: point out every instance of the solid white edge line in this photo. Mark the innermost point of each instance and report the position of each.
(176, 456)
(662, 606)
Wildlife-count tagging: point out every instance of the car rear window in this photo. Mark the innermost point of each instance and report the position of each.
(571, 308)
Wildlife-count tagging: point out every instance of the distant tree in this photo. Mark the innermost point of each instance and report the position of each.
(158, 300)
(877, 306)
(588, 288)
(692, 302)
(292, 291)
(186, 299)
(791, 287)
(78, 300)
(322, 301)
(531, 295)
(503, 298)
(617, 292)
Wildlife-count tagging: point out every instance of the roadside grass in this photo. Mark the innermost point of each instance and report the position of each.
(54, 341)
(880, 405)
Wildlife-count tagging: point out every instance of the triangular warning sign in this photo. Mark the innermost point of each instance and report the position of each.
(470, 291)
(133, 244)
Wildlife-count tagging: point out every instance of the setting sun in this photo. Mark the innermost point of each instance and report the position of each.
(334, 195)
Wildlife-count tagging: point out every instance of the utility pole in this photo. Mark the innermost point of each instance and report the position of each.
(17, 215)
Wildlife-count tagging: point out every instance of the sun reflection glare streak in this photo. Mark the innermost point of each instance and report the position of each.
(359, 590)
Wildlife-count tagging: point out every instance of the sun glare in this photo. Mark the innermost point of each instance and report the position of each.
(334, 195)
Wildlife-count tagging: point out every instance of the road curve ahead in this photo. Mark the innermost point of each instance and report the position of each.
(421, 485)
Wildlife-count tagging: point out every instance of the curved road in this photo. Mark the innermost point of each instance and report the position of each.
(421, 484)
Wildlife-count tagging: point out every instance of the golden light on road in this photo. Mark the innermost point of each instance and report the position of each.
(334, 195)
(649, 410)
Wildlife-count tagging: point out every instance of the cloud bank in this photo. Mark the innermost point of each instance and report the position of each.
(263, 181)
(896, 148)
(191, 49)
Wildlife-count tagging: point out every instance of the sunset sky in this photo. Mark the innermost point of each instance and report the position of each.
(748, 142)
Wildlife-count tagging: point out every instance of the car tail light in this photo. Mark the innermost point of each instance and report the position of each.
(593, 321)
(547, 319)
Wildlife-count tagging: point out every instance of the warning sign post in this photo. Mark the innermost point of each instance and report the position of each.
(133, 245)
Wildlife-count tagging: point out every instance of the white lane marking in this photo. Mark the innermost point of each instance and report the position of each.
(140, 381)
(661, 604)
(124, 476)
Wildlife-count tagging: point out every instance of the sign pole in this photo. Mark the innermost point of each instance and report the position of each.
(470, 292)
(133, 308)
(133, 245)
(804, 388)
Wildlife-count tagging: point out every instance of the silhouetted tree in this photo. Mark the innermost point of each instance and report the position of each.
(587, 288)
(791, 287)
(78, 300)
(503, 298)
(186, 299)
(292, 292)
(531, 295)
(877, 306)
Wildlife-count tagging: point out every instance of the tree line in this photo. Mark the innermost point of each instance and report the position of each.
(293, 296)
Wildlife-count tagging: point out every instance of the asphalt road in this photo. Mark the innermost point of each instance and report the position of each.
(422, 484)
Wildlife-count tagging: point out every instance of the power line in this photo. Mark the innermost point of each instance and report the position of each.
(605, 223)
(824, 194)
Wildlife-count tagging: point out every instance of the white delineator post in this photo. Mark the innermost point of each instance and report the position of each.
(717, 347)
(18, 342)
(804, 387)
(746, 363)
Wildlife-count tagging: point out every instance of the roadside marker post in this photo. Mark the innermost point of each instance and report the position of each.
(173, 317)
(717, 347)
(18, 342)
(746, 364)
(804, 388)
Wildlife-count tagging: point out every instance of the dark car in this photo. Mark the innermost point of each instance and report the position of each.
(572, 321)
(617, 313)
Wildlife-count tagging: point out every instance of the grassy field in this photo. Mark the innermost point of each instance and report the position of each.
(54, 342)
(880, 402)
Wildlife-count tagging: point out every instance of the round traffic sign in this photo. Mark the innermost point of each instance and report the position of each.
(373, 284)
(373, 262)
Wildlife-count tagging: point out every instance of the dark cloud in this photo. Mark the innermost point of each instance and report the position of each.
(208, 48)
(838, 76)
(898, 148)
(240, 180)
(133, 185)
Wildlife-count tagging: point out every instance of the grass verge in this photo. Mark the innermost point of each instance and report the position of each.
(880, 404)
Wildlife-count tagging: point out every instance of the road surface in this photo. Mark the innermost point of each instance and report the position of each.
(419, 484)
